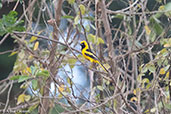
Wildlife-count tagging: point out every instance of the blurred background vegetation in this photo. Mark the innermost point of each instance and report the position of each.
(43, 71)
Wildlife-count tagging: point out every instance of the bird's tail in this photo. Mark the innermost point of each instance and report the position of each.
(102, 66)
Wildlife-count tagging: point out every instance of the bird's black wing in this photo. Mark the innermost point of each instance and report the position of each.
(90, 54)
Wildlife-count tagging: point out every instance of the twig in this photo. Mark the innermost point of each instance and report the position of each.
(7, 101)
(4, 38)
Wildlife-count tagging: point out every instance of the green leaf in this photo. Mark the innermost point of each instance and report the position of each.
(91, 38)
(90, 18)
(9, 23)
(0, 5)
(23, 78)
(151, 68)
(79, 27)
(167, 67)
(164, 52)
(168, 106)
(129, 30)
(160, 1)
(58, 109)
(14, 77)
(159, 62)
(68, 17)
(144, 70)
(155, 24)
(93, 27)
(72, 62)
(152, 36)
(33, 70)
(119, 16)
(34, 84)
(167, 8)
(32, 107)
(44, 73)
(87, 27)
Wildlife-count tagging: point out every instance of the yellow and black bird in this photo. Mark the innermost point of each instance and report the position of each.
(89, 55)
(132, 100)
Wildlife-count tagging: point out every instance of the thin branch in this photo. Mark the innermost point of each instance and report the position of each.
(8, 95)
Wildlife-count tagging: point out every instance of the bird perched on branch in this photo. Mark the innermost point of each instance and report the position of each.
(89, 55)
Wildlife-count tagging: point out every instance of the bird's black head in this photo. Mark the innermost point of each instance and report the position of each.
(83, 45)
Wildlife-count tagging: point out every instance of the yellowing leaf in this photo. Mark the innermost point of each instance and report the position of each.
(33, 38)
(60, 96)
(161, 8)
(68, 90)
(80, 56)
(71, 1)
(72, 61)
(167, 74)
(100, 41)
(22, 98)
(28, 69)
(147, 29)
(145, 81)
(134, 91)
(36, 45)
(30, 57)
(61, 88)
(162, 71)
(139, 5)
(13, 53)
(82, 8)
(69, 81)
(76, 20)
(147, 111)
(107, 66)
(164, 52)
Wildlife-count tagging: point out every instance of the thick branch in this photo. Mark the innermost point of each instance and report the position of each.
(52, 68)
